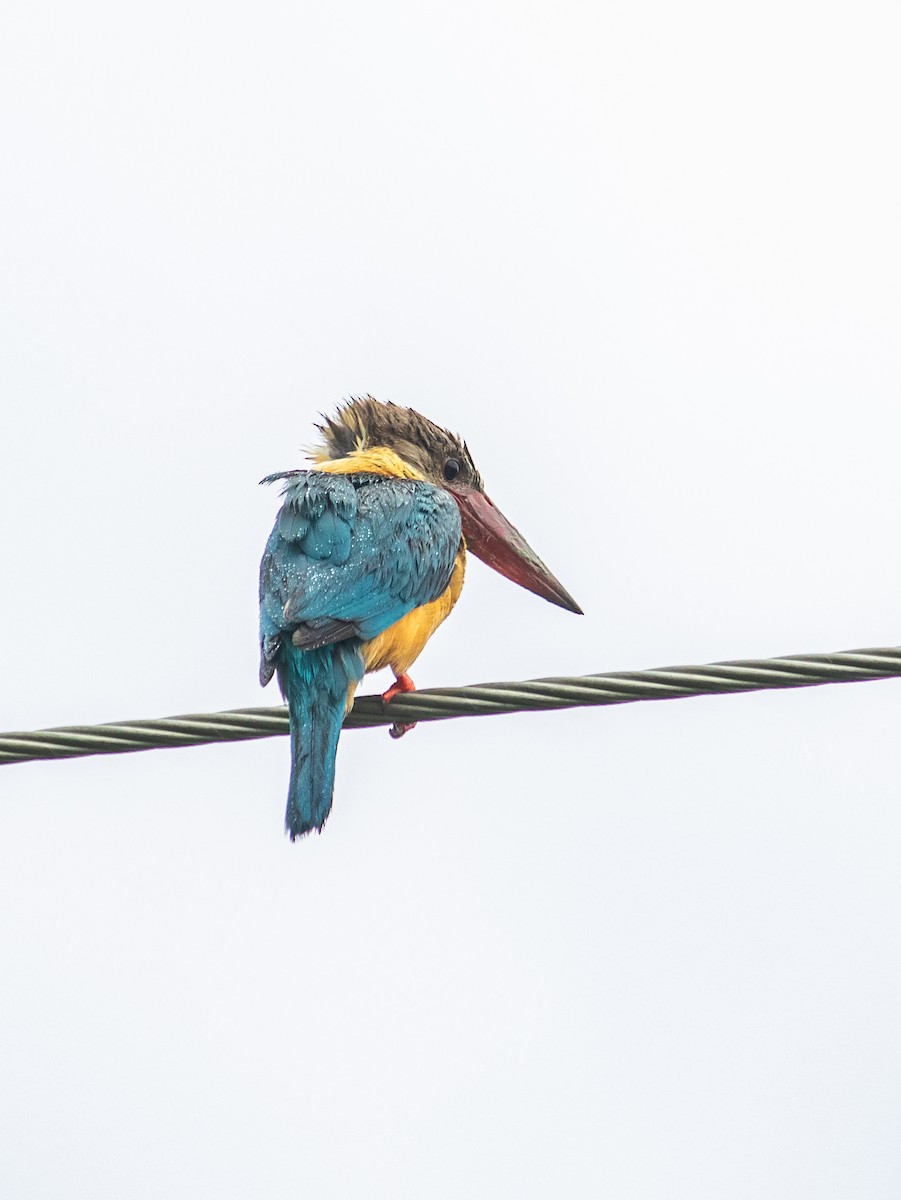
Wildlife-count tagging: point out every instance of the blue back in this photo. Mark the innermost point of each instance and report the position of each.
(349, 555)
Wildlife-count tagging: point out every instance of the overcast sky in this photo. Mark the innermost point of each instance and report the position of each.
(646, 258)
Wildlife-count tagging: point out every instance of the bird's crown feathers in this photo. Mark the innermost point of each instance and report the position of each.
(363, 422)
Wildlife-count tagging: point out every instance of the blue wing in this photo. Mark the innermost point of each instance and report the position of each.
(349, 555)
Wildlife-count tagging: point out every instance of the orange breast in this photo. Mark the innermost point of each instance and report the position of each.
(403, 642)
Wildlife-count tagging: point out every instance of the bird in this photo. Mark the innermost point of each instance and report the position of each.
(366, 559)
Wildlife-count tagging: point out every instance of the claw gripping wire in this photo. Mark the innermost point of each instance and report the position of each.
(439, 704)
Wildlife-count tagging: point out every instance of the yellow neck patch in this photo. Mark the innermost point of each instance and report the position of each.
(377, 460)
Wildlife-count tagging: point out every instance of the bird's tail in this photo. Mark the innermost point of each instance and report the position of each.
(315, 684)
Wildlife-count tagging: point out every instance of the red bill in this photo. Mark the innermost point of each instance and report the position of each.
(491, 537)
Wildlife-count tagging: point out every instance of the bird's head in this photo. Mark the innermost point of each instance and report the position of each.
(443, 459)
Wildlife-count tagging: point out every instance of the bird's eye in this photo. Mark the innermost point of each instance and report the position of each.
(451, 469)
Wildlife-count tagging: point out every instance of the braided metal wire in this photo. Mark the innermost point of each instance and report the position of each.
(439, 704)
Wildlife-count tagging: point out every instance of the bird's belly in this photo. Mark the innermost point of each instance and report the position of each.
(402, 643)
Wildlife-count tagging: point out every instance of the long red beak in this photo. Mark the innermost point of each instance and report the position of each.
(491, 537)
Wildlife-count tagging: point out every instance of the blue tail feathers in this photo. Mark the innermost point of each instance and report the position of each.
(315, 684)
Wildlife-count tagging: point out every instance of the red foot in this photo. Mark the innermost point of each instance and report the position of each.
(403, 683)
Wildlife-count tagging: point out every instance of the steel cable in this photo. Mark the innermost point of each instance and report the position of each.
(439, 704)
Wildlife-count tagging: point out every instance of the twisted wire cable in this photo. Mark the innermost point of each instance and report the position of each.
(439, 704)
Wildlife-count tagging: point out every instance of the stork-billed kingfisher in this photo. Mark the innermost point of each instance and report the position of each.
(365, 561)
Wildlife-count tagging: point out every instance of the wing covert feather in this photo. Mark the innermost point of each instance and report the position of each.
(351, 554)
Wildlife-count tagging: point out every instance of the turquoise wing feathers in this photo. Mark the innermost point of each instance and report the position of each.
(348, 557)
(351, 554)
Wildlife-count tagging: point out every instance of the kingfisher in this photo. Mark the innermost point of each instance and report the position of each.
(365, 561)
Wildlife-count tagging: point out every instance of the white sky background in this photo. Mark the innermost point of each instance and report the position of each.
(646, 258)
